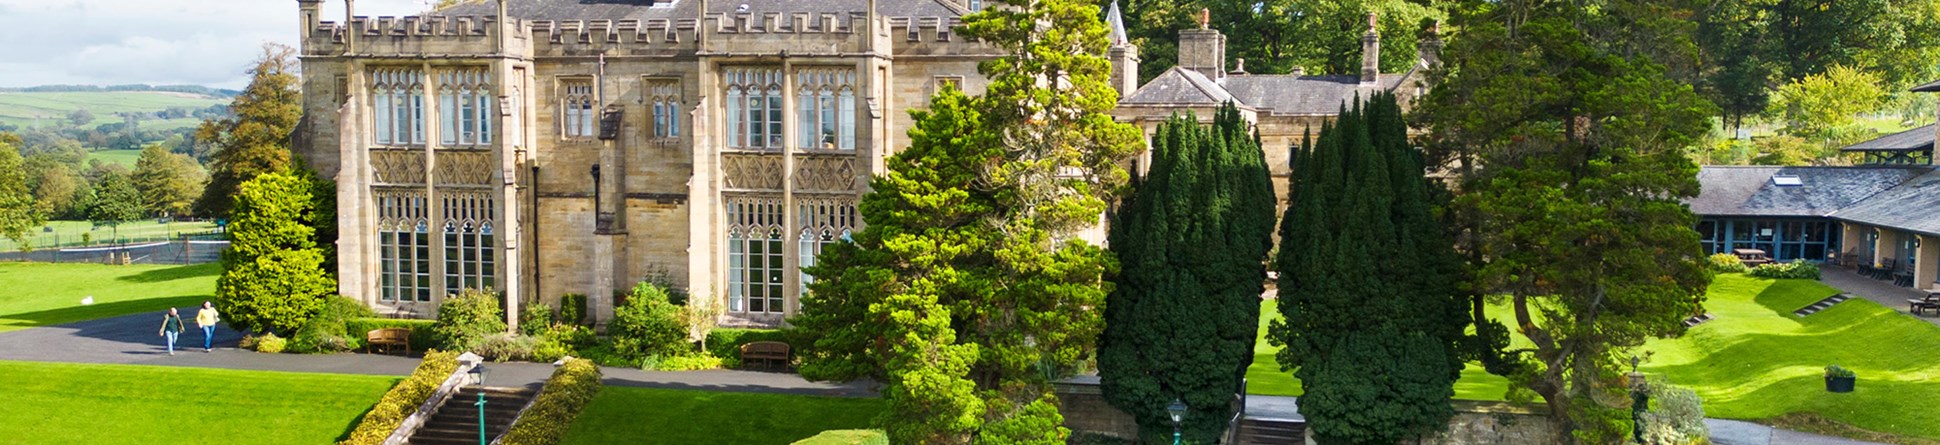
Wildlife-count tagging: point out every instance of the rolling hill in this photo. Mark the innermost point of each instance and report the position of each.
(23, 108)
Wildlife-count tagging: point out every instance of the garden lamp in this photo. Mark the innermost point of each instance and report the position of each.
(1178, 411)
(478, 377)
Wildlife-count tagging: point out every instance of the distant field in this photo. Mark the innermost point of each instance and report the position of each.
(124, 157)
(22, 108)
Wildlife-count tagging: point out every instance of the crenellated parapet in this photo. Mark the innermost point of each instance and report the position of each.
(924, 29)
(411, 35)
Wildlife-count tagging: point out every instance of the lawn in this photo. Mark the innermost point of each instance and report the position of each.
(635, 416)
(40, 294)
(50, 403)
(1756, 361)
(68, 233)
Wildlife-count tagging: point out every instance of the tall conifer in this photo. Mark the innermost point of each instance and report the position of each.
(1192, 243)
(1367, 283)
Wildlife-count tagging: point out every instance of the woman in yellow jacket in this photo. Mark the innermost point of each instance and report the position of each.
(207, 319)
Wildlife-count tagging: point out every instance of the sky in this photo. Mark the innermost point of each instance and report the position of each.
(157, 42)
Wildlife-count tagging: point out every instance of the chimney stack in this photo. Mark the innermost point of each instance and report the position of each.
(1371, 51)
(1203, 49)
(1431, 47)
(1123, 54)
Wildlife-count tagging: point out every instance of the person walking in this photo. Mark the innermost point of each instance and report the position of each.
(171, 328)
(206, 319)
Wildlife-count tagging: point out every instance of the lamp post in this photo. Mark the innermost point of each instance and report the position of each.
(478, 376)
(1178, 411)
(1639, 400)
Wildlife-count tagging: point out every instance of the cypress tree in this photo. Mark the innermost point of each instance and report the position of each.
(1367, 282)
(1192, 241)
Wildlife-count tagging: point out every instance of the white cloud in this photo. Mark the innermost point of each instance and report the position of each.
(152, 41)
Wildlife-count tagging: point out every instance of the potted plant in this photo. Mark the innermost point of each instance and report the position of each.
(1838, 379)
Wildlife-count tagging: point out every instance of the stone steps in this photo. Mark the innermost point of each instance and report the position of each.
(1697, 320)
(456, 422)
(1821, 305)
(1259, 431)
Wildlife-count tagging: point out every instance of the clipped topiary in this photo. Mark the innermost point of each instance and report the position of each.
(1799, 269)
(403, 399)
(270, 344)
(572, 387)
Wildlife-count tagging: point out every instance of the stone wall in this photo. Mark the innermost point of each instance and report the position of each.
(1086, 411)
(1492, 424)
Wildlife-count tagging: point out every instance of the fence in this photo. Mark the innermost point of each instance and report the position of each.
(181, 251)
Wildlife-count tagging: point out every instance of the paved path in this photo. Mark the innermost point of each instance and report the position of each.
(1882, 292)
(132, 340)
(1734, 432)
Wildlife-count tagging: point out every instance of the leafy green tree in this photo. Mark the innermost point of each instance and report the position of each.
(18, 209)
(1572, 144)
(1372, 320)
(1274, 36)
(1192, 241)
(169, 182)
(55, 190)
(273, 278)
(649, 324)
(80, 117)
(256, 140)
(1817, 105)
(115, 201)
(966, 295)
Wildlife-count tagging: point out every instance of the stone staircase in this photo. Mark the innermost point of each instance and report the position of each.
(1697, 320)
(1821, 305)
(456, 422)
(1263, 431)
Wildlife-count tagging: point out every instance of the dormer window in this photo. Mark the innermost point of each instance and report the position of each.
(1787, 180)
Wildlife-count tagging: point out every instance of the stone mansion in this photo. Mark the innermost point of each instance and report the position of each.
(548, 147)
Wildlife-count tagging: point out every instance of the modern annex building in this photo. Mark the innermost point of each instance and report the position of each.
(1885, 213)
(469, 149)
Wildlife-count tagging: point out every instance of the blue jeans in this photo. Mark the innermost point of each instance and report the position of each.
(208, 336)
(171, 340)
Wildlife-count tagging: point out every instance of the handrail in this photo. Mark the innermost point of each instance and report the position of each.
(1233, 426)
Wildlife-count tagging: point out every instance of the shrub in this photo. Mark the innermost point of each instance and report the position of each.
(570, 389)
(328, 331)
(1799, 269)
(1726, 263)
(504, 347)
(648, 325)
(273, 277)
(562, 340)
(572, 309)
(270, 343)
(846, 437)
(421, 336)
(692, 362)
(535, 318)
(403, 399)
(466, 319)
(726, 343)
(1677, 417)
(1836, 371)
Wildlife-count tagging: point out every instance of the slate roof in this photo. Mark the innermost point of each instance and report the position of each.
(1928, 88)
(1275, 93)
(1912, 206)
(1178, 86)
(1748, 190)
(561, 10)
(1915, 139)
(1305, 95)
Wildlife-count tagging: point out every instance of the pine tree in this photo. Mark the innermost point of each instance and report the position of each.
(1372, 325)
(968, 294)
(1192, 242)
(256, 140)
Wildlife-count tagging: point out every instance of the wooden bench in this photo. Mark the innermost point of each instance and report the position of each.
(388, 339)
(765, 351)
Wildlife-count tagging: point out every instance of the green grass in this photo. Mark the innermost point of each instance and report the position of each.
(53, 403)
(645, 416)
(126, 158)
(41, 294)
(68, 233)
(1756, 361)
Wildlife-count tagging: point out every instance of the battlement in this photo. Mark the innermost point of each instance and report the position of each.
(608, 32)
(924, 29)
(411, 35)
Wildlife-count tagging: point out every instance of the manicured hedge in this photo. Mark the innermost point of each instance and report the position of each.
(421, 337)
(846, 437)
(726, 343)
(1796, 269)
(571, 388)
(403, 399)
